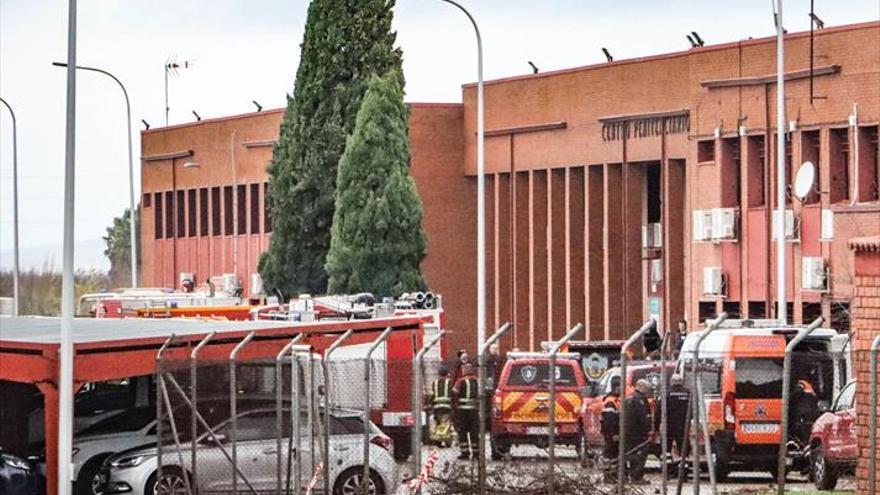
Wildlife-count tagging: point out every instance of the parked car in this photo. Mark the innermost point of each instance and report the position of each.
(18, 476)
(135, 471)
(521, 404)
(834, 446)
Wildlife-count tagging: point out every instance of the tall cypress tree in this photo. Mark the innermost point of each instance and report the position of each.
(377, 240)
(345, 42)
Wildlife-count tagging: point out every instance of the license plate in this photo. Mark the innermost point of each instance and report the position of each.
(538, 430)
(760, 427)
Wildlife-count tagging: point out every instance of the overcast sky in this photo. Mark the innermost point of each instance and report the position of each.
(245, 50)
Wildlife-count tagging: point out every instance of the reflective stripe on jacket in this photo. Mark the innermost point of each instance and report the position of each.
(441, 390)
(466, 390)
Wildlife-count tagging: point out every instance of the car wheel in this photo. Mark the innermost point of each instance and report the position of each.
(824, 474)
(172, 483)
(350, 482)
(500, 448)
(90, 481)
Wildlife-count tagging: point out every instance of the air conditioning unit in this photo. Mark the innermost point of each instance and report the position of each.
(652, 236)
(230, 282)
(656, 271)
(813, 273)
(256, 284)
(792, 227)
(702, 225)
(713, 280)
(723, 223)
(827, 225)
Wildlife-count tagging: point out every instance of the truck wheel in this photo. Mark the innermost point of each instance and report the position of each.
(722, 471)
(402, 443)
(500, 448)
(824, 473)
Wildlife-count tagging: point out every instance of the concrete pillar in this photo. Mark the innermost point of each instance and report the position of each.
(594, 251)
(613, 248)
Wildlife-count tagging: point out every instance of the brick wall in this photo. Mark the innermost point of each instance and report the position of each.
(866, 327)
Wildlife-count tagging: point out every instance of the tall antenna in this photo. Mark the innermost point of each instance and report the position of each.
(173, 67)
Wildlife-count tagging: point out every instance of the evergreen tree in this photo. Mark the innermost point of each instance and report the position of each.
(118, 241)
(345, 42)
(377, 241)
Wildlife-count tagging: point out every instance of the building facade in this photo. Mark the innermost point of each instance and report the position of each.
(614, 191)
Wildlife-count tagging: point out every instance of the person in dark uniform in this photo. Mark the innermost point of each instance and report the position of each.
(677, 400)
(440, 399)
(638, 429)
(493, 372)
(803, 412)
(467, 415)
(611, 429)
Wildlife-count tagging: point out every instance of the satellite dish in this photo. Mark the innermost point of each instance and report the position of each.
(803, 182)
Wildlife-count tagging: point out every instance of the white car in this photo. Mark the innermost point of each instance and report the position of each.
(136, 471)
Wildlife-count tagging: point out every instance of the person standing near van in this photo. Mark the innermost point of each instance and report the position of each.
(677, 403)
(638, 430)
(467, 415)
(611, 429)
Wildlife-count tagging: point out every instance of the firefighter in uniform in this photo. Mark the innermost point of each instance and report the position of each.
(638, 430)
(803, 412)
(611, 428)
(441, 407)
(467, 411)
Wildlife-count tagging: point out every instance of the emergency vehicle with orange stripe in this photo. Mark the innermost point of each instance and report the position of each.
(521, 404)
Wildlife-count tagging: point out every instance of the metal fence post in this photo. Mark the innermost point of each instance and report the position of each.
(700, 417)
(159, 399)
(621, 445)
(872, 420)
(279, 396)
(664, 419)
(417, 404)
(233, 393)
(193, 377)
(552, 426)
(327, 398)
(365, 485)
(786, 389)
(481, 398)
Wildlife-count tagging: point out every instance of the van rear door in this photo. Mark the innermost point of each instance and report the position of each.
(758, 395)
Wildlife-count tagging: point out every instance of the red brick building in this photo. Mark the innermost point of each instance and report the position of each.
(639, 187)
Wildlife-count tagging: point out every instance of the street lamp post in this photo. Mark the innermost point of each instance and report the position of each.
(481, 186)
(781, 298)
(133, 234)
(15, 272)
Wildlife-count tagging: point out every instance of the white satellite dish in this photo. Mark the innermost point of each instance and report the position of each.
(803, 182)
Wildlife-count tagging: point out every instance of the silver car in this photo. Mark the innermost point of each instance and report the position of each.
(136, 471)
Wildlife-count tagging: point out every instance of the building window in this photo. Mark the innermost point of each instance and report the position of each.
(869, 168)
(215, 211)
(706, 311)
(706, 151)
(148, 200)
(731, 182)
(227, 210)
(267, 208)
(757, 155)
(810, 153)
(203, 211)
(811, 311)
(787, 166)
(732, 309)
(255, 208)
(181, 214)
(157, 217)
(241, 208)
(840, 316)
(757, 310)
(191, 212)
(169, 214)
(838, 142)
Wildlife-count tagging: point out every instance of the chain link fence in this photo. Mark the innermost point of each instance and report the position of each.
(721, 416)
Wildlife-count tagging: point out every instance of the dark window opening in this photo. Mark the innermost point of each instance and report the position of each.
(811, 311)
(242, 210)
(267, 208)
(869, 167)
(654, 203)
(838, 141)
(169, 214)
(191, 212)
(840, 316)
(810, 153)
(203, 211)
(706, 310)
(732, 309)
(215, 211)
(757, 155)
(255, 208)
(706, 151)
(757, 310)
(148, 200)
(787, 167)
(227, 210)
(731, 176)
(157, 217)
(181, 214)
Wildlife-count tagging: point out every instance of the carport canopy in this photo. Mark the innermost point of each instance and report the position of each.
(111, 349)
